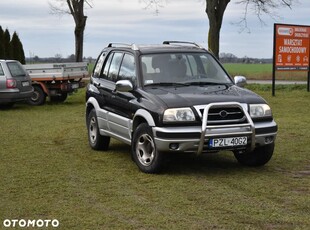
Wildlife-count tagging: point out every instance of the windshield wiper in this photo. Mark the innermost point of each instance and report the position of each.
(207, 83)
(167, 84)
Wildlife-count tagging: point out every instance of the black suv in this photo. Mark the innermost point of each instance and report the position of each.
(174, 97)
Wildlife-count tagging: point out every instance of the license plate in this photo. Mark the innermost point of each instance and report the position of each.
(228, 142)
(25, 83)
(75, 86)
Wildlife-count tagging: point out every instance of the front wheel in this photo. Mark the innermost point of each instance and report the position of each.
(258, 157)
(144, 151)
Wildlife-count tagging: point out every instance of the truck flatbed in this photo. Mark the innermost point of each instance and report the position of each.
(57, 71)
(56, 80)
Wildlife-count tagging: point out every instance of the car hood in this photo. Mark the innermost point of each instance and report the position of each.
(187, 96)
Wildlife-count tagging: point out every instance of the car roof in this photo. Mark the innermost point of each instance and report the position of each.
(167, 46)
(5, 60)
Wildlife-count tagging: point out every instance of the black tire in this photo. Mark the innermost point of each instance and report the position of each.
(143, 150)
(38, 97)
(258, 157)
(59, 98)
(95, 140)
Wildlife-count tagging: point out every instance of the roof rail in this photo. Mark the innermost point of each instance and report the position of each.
(118, 44)
(182, 42)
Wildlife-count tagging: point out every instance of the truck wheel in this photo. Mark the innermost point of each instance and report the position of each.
(38, 97)
(96, 141)
(143, 150)
(257, 157)
(59, 98)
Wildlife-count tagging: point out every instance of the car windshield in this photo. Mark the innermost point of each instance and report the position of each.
(16, 69)
(187, 68)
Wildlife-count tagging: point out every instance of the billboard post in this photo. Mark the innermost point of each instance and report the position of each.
(308, 83)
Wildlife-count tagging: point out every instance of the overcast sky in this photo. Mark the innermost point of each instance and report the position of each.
(46, 35)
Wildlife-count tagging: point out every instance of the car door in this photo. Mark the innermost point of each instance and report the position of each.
(121, 107)
(101, 87)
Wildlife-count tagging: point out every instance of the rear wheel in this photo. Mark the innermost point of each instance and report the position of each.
(96, 141)
(144, 151)
(258, 157)
(38, 96)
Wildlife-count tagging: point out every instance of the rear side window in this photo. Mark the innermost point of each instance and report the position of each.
(107, 67)
(1, 71)
(99, 65)
(16, 69)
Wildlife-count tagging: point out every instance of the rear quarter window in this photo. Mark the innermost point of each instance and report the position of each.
(16, 69)
(1, 71)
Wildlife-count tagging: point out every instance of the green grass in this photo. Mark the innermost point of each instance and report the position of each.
(263, 72)
(48, 171)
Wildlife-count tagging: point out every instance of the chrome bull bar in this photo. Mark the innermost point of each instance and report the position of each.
(248, 127)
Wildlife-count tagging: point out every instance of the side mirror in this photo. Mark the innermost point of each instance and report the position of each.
(240, 81)
(123, 86)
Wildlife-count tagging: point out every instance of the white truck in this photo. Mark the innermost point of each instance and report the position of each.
(55, 80)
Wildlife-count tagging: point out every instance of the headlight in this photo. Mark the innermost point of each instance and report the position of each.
(179, 114)
(260, 110)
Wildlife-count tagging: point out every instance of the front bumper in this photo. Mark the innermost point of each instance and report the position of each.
(196, 139)
(188, 138)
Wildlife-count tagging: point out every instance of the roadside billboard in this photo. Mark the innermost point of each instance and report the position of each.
(291, 49)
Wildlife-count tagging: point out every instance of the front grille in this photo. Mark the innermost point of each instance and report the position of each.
(224, 115)
(223, 120)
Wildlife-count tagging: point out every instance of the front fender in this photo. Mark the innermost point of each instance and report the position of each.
(144, 114)
(91, 103)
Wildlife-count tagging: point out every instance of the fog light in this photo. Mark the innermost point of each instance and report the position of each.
(268, 140)
(174, 146)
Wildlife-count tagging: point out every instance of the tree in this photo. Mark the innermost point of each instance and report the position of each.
(6, 42)
(16, 49)
(1, 43)
(76, 9)
(215, 10)
(11, 48)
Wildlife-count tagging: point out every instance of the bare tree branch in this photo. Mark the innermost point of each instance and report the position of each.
(261, 8)
(58, 8)
(153, 4)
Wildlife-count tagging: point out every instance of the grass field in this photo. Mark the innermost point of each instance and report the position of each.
(263, 72)
(48, 171)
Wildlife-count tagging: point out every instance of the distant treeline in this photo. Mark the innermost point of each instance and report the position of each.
(11, 48)
(231, 58)
(56, 59)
